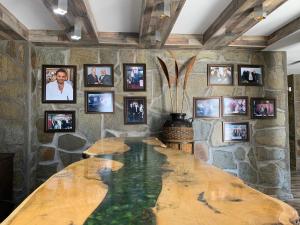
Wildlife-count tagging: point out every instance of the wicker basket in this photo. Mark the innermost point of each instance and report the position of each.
(178, 133)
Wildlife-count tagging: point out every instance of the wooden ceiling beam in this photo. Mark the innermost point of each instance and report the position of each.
(184, 41)
(235, 20)
(284, 31)
(257, 42)
(76, 9)
(11, 27)
(152, 21)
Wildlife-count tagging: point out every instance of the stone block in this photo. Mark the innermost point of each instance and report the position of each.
(266, 154)
(93, 133)
(279, 121)
(46, 153)
(275, 79)
(19, 179)
(202, 130)
(224, 160)
(275, 59)
(216, 137)
(270, 175)
(109, 56)
(49, 55)
(252, 159)
(14, 134)
(44, 171)
(240, 154)
(272, 137)
(201, 151)
(11, 110)
(209, 56)
(71, 142)
(280, 97)
(240, 56)
(43, 137)
(247, 173)
(12, 90)
(68, 158)
(80, 56)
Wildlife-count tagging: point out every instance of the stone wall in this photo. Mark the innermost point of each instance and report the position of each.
(14, 110)
(296, 105)
(263, 162)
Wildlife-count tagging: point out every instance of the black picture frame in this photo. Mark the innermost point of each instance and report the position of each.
(134, 77)
(132, 113)
(104, 75)
(263, 108)
(238, 132)
(59, 121)
(250, 75)
(235, 106)
(98, 102)
(50, 86)
(220, 74)
(208, 107)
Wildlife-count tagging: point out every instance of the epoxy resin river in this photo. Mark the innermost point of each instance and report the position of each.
(133, 190)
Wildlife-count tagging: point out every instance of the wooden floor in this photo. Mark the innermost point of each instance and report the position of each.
(295, 190)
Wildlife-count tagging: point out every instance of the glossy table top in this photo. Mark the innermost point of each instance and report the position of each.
(146, 183)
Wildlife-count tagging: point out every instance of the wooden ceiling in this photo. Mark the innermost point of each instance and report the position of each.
(227, 30)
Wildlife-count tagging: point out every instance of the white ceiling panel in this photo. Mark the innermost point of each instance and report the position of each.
(32, 13)
(286, 13)
(117, 15)
(197, 15)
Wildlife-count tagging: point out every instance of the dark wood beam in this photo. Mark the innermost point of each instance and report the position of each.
(57, 38)
(152, 21)
(119, 39)
(11, 27)
(235, 20)
(257, 42)
(184, 41)
(284, 31)
(76, 9)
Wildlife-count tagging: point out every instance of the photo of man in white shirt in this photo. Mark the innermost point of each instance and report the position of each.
(60, 89)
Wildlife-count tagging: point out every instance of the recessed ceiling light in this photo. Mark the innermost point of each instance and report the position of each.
(62, 7)
(76, 35)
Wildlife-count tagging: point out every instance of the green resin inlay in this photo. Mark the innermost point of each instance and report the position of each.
(133, 190)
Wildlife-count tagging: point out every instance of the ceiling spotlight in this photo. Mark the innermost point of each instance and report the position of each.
(259, 13)
(76, 35)
(165, 9)
(62, 7)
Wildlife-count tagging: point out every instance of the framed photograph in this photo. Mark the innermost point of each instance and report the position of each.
(134, 77)
(98, 75)
(219, 74)
(263, 108)
(135, 110)
(58, 84)
(207, 107)
(99, 102)
(59, 121)
(235, 132)
(250, 75)
(232, 106)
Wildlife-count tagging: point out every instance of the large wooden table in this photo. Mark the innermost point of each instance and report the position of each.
(193, 193)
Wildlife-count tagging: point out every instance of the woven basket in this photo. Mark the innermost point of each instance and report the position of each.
(178, 133)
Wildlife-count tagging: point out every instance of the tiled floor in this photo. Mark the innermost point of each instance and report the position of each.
(295, 190)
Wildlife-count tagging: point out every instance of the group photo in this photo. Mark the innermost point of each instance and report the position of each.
(98, 75)
(135, 110)
(59, 121)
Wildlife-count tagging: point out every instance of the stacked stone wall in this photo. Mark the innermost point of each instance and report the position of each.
(14, 110)
(263, 162)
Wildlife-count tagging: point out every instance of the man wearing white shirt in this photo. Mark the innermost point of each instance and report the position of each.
(59, 89)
